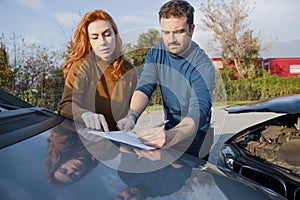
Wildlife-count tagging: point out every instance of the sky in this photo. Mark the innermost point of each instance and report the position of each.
(51, 23)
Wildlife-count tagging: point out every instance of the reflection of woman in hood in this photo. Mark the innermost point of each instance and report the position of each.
(68, 160)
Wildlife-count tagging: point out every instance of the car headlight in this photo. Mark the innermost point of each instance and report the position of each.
(228, 156)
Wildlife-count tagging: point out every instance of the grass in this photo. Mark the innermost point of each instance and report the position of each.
(230, 103)
(215, 104)
(153, 107)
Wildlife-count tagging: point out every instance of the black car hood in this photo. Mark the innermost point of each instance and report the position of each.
(25, 173)
(284, 104)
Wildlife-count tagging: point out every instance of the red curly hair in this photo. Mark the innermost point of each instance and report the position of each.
(81, 47)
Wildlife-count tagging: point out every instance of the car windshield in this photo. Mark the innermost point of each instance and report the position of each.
(20, 120)
(9, 102)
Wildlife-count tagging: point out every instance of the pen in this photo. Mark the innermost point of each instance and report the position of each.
(161, 124)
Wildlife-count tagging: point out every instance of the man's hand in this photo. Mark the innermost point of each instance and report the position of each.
(153, 155)
(126, 124)
(95, 121)
(155, 137)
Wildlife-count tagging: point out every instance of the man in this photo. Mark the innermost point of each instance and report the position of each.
(186, 77)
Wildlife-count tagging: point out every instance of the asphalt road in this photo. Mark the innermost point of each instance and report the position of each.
(224, 124)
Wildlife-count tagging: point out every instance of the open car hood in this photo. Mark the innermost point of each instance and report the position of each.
(284, 104)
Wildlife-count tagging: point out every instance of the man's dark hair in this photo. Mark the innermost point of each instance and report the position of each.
(177, 8)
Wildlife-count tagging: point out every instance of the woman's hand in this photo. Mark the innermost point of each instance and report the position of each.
(95, 121)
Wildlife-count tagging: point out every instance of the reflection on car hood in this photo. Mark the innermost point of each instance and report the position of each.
(284, 104)
(27, 172)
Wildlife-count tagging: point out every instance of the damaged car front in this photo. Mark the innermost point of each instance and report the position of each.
(268, 152)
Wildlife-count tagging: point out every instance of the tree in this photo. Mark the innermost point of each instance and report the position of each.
(147, 40)
(137, 53)
(35, 71)
(6, 79)
(249, 51)
(228, 20)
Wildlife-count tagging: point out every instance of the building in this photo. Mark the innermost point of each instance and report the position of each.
(283, 67)
(218, 63)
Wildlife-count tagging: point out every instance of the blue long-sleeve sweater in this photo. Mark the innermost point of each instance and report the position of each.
(186, 83)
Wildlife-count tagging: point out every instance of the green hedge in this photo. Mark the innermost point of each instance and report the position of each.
(261, 88)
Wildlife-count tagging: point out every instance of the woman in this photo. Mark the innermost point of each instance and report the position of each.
(71, 156)
(68, 160)
(99, 82)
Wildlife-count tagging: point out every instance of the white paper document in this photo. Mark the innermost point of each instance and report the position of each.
(120, 136)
